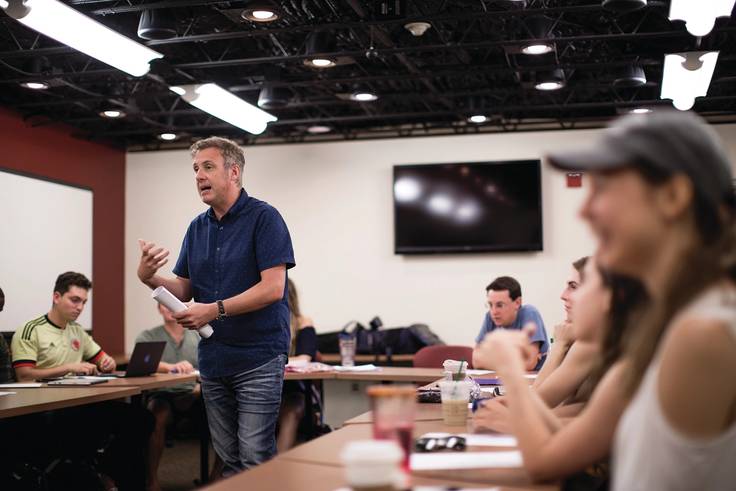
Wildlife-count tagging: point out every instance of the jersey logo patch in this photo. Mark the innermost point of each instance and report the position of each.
(76, 344)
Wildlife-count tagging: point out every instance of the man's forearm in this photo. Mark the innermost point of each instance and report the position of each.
(255, 298)
(177, 286)
(29, 374)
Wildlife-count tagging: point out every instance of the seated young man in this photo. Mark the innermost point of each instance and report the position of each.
(6, 372)
(505, 311)
(54, 345)
(180, 356)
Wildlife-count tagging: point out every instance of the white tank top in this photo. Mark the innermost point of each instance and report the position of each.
(649, 454)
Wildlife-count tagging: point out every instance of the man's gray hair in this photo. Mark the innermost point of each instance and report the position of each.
(231, 151)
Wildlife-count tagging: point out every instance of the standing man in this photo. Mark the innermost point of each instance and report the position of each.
(506, 311)
(233, 264)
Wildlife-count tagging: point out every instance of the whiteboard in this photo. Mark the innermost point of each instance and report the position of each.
(45, 230)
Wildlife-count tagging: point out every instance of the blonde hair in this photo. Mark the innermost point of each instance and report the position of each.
(294, 314)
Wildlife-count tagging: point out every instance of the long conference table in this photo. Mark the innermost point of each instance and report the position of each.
(316, 465)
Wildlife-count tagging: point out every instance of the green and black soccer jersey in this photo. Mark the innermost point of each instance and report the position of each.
(43, 344)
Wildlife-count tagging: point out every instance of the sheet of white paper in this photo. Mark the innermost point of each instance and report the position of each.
(465, 460)
(357, 368)
(475, 372)
(478, 439)
(29, 385)
(6, 393)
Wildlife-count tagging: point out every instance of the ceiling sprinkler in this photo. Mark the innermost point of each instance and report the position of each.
(417, 28)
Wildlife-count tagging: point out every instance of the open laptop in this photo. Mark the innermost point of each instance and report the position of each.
(144, 360)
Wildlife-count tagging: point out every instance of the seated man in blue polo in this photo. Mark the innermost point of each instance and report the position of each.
(506, 311)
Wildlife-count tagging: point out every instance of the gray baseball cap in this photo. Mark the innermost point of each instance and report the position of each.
(668, 140)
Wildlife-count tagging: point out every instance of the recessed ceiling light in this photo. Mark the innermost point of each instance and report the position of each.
(167, 136)
(363, 96)
(317, 129)
(477, 119)
(321, 62)
(550, 80)
(549, 85)
(536, 49)
(112, 114)
(35, 85)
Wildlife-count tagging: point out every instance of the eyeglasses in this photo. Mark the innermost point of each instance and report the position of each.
(431, 444)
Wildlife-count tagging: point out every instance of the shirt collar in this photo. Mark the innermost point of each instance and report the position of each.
(50, 322)
(235, 209)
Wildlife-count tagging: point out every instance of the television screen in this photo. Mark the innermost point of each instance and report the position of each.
(468, 207)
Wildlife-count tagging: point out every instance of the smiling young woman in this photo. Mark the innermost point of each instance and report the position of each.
(661, 205)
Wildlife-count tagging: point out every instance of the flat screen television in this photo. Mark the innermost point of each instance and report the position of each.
(468, 207)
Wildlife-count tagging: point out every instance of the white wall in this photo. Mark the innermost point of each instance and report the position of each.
(337, 201)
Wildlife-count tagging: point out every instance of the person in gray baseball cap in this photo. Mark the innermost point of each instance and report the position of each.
(661, 206)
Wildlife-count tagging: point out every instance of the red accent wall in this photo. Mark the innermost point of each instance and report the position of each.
(51, 152)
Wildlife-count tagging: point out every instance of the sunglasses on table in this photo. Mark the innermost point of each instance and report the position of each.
(432, 444)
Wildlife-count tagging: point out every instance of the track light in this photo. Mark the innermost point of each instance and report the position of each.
(273, 97)
(687, 76)
(64, 24)
(630, 76)
(222, 104)
(550, 79)
(700, 17)
(624, 6)
(261, 11)
(35, 85)
(157, 24)
(320, 42)
(539, 27)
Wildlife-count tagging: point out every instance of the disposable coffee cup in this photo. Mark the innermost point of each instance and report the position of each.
(454, 369)
(455, 398)
(372, 465)
(347, 349)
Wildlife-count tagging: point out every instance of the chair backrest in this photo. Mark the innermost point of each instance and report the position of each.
(433, 356)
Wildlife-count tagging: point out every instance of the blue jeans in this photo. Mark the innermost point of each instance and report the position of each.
(242, 411)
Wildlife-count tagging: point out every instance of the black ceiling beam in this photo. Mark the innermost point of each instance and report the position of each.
(428, 116)
(224, 36)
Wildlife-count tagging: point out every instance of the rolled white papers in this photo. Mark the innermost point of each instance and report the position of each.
(165, 298)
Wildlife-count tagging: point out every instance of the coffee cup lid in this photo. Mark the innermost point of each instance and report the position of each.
(371, 451)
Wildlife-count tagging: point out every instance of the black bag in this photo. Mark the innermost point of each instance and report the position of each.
(395, 341)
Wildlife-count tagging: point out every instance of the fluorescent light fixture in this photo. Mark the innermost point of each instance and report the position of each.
(112, 114)
(700, 17)
(35, 85)
(477, 119)
(66, 25)
(687, 76)
(222, 104)
(167, 136)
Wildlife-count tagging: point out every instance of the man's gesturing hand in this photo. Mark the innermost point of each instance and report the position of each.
(152, 258)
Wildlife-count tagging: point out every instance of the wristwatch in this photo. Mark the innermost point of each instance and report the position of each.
(221, 314)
